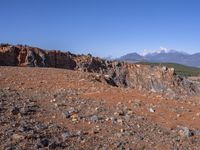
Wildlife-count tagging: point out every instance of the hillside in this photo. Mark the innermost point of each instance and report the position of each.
(179, 69)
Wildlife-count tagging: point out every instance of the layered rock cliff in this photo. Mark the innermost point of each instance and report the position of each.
(143, 77)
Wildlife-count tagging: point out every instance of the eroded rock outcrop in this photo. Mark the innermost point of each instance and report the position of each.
(59, 59)
(35, 57)
(8, 55)
(143, 77)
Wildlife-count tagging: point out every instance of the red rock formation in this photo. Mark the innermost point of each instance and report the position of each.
(59, 59)
(155, 79)
(30, 56)
(8, 55)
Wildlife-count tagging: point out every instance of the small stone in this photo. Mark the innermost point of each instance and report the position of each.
(130, 101)
(115, 113)
(119, 103)
(107, 119)
(52, 145)
(113, 119)
(44, 142)
(74, 120)
(94, 118)
(130, 112)
(79, 133)
(15, 110)
(198, 114)
(197, 132)
(106, 76)
(66, 114)
(151, 110)
(66, 135)
(120, 121)
(185, 132)
(72, 111)
(153, 90)
(17, 137)
(37, 146)
(74, 117)
(96, 130)
(164, 68)
(7, 88)
(121, 113)
(127, 117)
(119, 135)
(24, 128)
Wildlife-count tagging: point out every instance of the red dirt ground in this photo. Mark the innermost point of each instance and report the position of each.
(169, 114)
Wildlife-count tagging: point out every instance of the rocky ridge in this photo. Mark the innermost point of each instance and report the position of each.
(120, 74)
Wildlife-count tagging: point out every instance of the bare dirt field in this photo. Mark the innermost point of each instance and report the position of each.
(47, 108)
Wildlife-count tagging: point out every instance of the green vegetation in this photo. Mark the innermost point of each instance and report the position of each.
(179, 69)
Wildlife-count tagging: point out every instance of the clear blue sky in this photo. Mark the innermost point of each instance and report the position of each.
(102, 27)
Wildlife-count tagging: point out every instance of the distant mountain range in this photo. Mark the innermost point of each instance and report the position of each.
(164, 56)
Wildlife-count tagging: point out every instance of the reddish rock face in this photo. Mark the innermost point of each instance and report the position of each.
(34, 57)
(59, 59)
(143, 77)
(8, 55)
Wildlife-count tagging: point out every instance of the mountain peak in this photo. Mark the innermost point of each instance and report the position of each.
(164, 55)
(146, 52)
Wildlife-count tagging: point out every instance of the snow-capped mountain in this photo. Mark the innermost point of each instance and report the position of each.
(146, 52)
(162, 50)
(164, 55)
